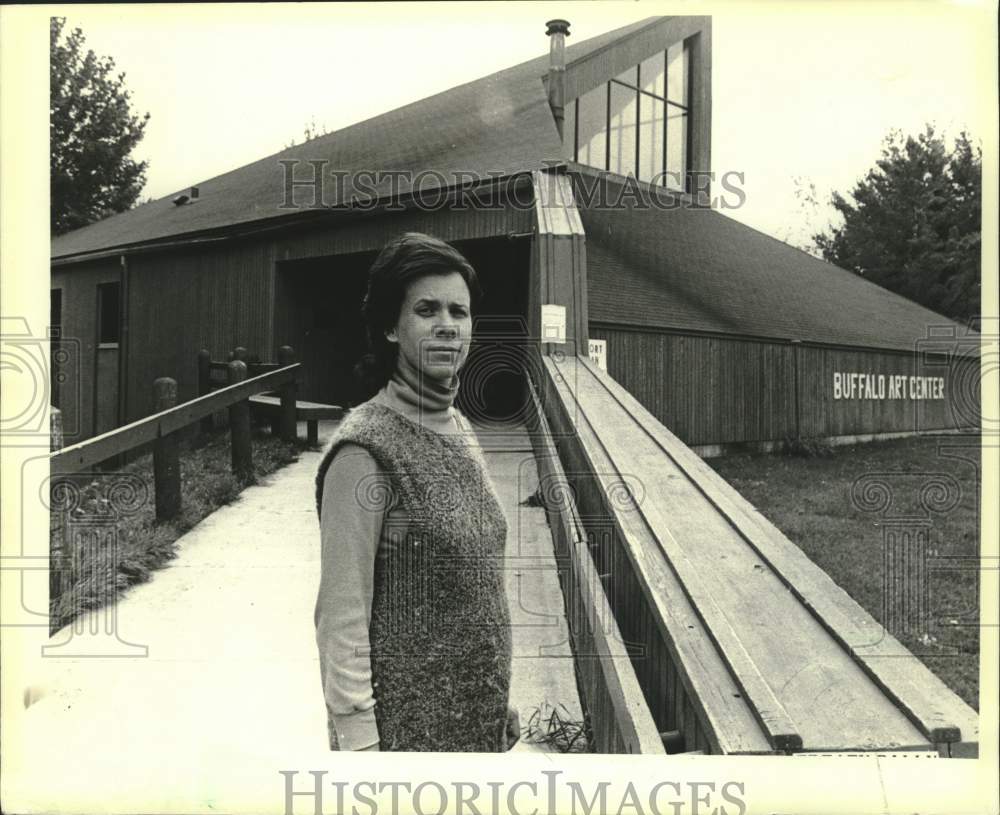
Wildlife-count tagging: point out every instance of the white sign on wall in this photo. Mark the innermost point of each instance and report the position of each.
(553, 323)
(857, 385)
(599, 353)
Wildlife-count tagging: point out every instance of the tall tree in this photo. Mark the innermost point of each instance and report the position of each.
(92, 132)
(912, 223)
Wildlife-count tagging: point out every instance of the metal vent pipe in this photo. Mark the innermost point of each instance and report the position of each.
(558, 31)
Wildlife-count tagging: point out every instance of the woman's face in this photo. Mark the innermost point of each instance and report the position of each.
(435, 325)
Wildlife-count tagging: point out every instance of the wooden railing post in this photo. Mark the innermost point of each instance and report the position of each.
(205, 384)
(80, 456)
(55, 429)
(61, 559)
(166, 455)
(60, 556)
(239, 426)
(286, 356)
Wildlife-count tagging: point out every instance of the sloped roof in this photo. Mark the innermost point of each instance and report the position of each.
(696, 269)
(497, 124)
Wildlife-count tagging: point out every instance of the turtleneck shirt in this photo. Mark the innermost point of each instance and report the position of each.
(422, 400)
(361, 524)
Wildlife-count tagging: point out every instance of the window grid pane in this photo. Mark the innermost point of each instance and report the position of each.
(591, 125)
(651, 74)
(651, 126)
(629, 76)
(677, 125)
(569, 130)
(622, 130)
(636, 123)
(677, 74)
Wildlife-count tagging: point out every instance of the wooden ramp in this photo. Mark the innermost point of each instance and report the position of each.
(739, 642)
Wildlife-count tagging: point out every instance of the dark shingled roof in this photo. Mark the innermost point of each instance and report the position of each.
(696, 269)
(500, 123)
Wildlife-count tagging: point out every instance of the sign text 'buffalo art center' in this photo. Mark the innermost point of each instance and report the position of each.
(857, 385)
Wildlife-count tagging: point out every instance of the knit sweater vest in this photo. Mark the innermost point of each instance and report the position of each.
(440, 626)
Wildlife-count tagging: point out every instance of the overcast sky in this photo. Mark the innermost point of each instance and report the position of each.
(799, 91)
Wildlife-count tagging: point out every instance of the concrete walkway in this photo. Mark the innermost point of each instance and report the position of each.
(227, 631)
(543, 672)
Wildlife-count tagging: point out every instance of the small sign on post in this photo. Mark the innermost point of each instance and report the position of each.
(553, 323)
(599, 354)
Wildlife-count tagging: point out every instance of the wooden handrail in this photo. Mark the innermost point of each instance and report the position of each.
(93, 451)
(766, 615)
(265, 367)
(620, 719)
(686, 683)
(936, 710)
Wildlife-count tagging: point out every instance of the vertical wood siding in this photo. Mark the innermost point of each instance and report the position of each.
(217, 298)
(717, 390)
(371, 232)
(822, 415)
(223, 295)
(79, 341)
(707, 390)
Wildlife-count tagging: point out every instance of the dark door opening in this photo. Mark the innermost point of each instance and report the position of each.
(106, 360)
(493, 390)
(318, 313)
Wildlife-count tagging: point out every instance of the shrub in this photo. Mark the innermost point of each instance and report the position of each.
(805, 448)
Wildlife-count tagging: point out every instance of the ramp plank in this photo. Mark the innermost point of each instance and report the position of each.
(932, 706)
(822, 677)
(731, 726)
(904, 684)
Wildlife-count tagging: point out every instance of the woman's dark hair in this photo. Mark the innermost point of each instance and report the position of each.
(406, 258)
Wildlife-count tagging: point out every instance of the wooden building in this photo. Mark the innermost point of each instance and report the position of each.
(574, 184)
(726, 335)
(733, 338)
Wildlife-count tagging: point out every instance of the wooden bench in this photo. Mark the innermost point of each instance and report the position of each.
(311, 412)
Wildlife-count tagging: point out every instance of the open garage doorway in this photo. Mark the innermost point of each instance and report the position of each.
(318, 313)
(493, 390)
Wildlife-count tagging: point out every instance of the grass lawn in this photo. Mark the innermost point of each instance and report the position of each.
(840, 525)
(97, 575)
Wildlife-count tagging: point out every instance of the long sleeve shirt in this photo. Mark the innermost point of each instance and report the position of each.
(350, 535)
(360, 523)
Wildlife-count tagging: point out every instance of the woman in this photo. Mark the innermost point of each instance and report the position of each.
(412, 621)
